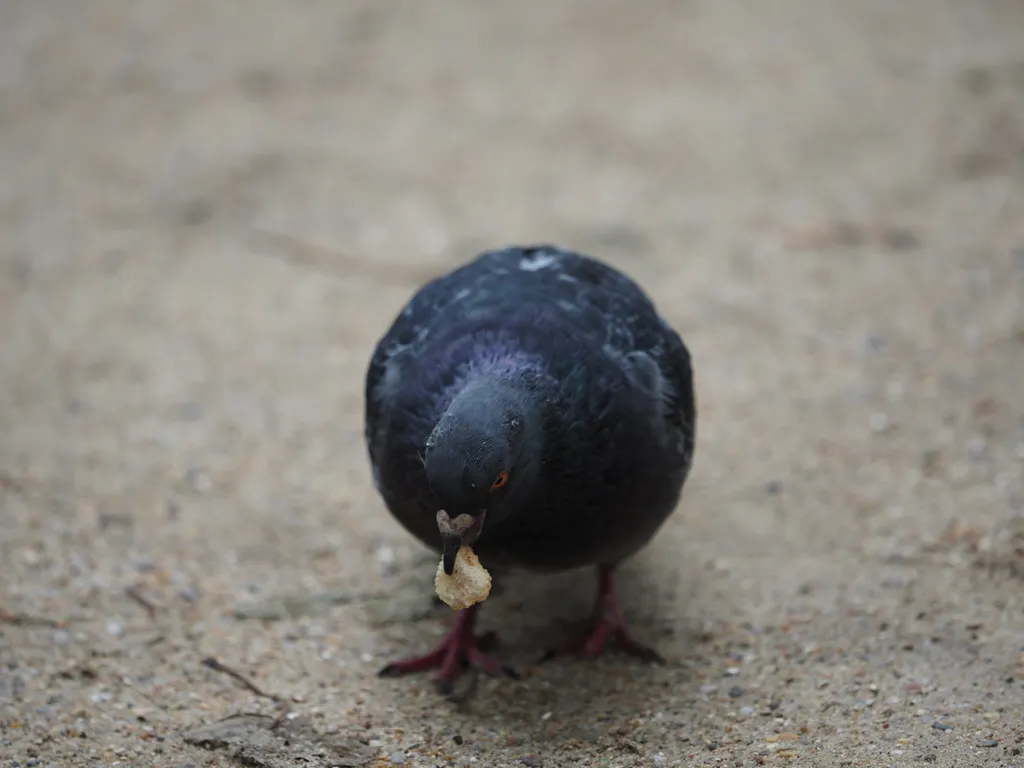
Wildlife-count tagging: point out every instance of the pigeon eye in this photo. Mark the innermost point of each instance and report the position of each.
(500, 481)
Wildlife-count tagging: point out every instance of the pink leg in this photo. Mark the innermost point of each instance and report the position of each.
(459, 648)
(606, 623)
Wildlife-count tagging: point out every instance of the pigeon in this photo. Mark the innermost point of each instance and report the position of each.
(536, 394)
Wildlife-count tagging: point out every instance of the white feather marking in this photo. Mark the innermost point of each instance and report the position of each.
(537, 261)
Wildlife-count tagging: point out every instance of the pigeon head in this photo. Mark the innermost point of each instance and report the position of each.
(479, 456)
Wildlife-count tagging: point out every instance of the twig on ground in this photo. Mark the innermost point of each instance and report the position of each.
(136, 594)
(22, 620)
(218, 666)
(281, 716)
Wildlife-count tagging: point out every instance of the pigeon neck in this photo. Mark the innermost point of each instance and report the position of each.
(502, 386)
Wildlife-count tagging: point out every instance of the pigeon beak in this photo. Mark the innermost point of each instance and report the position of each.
(451, 545)
(463, 531)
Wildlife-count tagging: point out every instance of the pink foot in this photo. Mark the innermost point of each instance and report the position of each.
(459, 648)
(606, 623)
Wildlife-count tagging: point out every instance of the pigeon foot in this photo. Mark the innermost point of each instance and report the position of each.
(606, 624)
(459, 649)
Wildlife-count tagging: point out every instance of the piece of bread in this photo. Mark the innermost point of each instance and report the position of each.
(469, 584)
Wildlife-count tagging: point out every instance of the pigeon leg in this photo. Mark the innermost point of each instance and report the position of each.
(606, 623)
(459, 648)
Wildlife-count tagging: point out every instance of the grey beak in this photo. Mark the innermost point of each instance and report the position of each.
(451, 544)
(454, 533)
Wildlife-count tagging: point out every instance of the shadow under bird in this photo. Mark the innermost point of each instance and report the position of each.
(539, 392)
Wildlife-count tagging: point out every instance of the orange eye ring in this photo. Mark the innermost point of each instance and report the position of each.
(500, 481)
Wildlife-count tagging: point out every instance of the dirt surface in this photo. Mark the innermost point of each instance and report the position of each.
(825, 198)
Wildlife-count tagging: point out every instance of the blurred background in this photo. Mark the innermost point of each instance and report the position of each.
(209, 212)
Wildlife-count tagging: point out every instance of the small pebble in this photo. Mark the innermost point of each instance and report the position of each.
(172, 510)
(115, 628)
(875, 342)
(31, 557)
(397, 758)
(976, 449)
(198, 480)
(894, 389)
(900, 240)
(941, 726)
(531, 760)
(988, 743)
(732, 671)
(735, 692)
(190, 411)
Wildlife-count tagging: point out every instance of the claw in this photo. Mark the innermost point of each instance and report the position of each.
(606, 623)
(459, 648)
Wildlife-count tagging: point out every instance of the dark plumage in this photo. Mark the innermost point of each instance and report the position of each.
(539, 392)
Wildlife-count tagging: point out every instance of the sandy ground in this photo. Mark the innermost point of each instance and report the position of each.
(825, 198)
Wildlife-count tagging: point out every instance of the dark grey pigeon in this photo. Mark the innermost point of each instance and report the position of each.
(539, 392)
